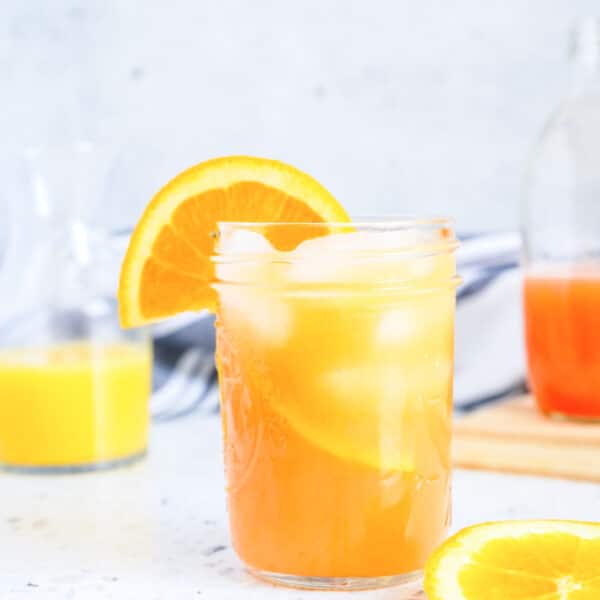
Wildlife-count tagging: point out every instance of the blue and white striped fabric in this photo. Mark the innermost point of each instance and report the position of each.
(185, 378)
(490, 355)
(490, 360)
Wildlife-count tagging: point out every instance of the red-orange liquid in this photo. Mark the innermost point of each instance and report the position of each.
(562, 326)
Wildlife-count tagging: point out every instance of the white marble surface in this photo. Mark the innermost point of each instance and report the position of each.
(158, 530)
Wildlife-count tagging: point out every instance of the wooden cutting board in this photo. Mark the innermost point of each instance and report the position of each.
(514, 437)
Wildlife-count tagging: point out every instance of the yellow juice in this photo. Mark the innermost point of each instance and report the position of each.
(73, 404)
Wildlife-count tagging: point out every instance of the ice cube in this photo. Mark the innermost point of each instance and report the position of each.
(330, 258)
(256, 312)
(243, 256)
(246, 257)
(362, 257)
(392, 390)
(241, 241)
(397, 325)
(358, 241)
(366, 389)
(426, 320)
(375, 397)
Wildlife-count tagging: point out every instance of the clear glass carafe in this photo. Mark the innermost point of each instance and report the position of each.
(74, 387)
(561, 228)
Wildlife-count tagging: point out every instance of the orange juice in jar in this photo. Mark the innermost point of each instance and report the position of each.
(335, 363)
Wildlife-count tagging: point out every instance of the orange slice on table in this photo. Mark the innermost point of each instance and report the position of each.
(167, 268)
(518, 560)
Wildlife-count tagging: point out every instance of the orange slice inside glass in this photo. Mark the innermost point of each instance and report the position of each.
(167, 268)
(518, 560)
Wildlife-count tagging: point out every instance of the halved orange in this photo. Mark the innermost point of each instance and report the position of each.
(167, 268)
(518, 560)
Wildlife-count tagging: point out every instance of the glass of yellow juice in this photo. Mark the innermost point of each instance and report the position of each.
(75, 405)
(335, 366)
(74, 387)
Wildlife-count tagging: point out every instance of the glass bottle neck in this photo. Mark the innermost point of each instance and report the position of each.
(585, 56)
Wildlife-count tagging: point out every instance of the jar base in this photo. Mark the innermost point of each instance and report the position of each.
(80, 468)
(409, 584)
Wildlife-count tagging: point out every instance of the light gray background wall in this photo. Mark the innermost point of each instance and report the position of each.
(397, 106)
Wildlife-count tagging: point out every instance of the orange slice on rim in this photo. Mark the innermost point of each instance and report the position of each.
(167, 268)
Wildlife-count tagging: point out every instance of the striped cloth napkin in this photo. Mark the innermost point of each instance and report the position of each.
(490, 354)
(490, 358)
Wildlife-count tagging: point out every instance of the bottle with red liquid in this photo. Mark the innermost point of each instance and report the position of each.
(561, 229)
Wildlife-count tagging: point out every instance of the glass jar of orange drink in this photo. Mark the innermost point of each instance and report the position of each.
(335, 363)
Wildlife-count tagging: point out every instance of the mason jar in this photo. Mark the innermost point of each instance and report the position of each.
(335, 361)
